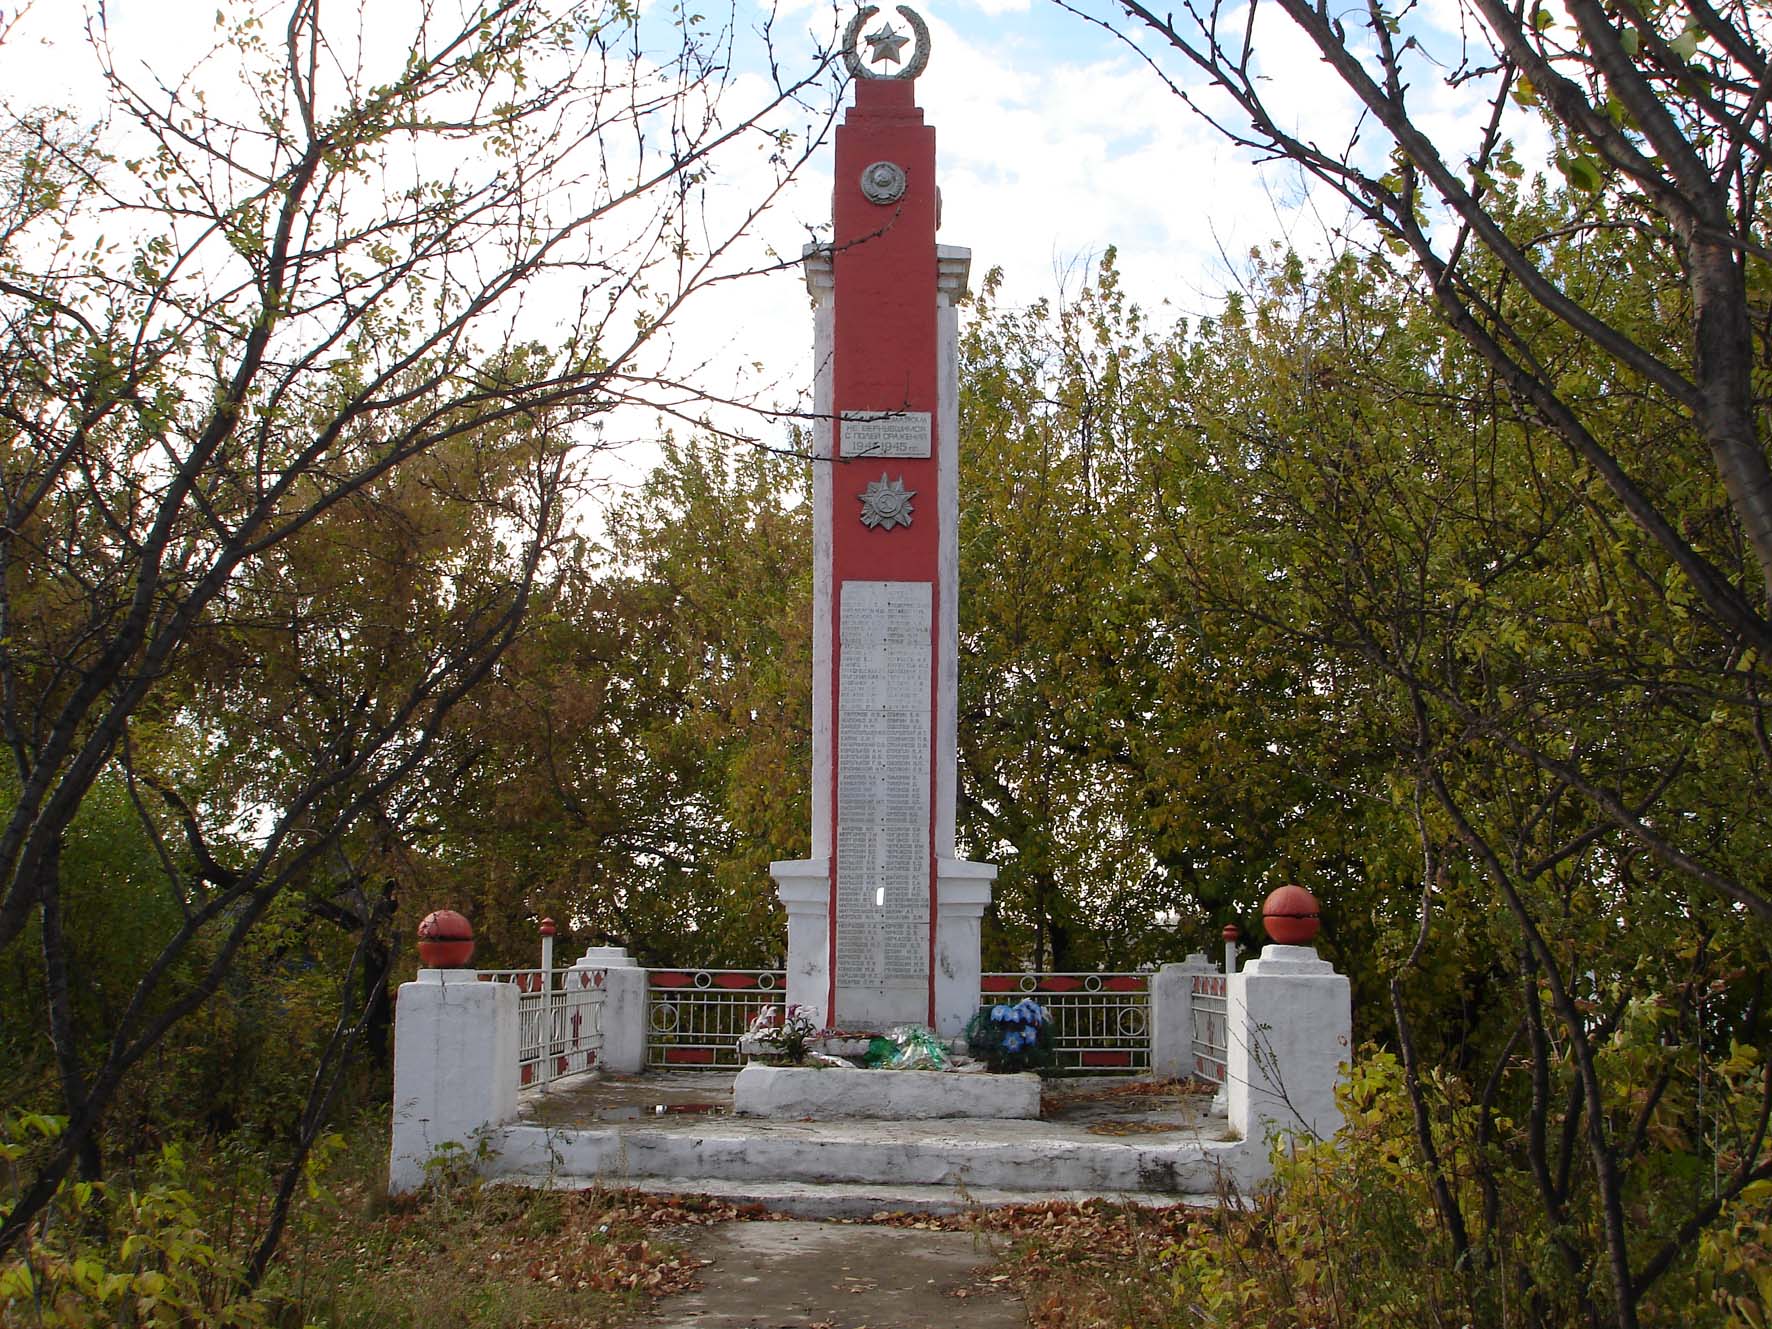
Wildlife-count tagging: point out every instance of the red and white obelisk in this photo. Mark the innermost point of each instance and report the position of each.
(883, 919)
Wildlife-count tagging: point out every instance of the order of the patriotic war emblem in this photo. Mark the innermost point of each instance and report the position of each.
(886, 503)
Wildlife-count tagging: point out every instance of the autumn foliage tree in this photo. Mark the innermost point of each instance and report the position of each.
(1570, 597)
(295, 353)
(642, 751)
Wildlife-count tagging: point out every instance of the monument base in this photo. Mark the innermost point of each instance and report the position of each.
(962, 892)
(829, 1092)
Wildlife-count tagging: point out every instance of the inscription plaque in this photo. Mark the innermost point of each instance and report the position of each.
(883, 802)
(879, 434)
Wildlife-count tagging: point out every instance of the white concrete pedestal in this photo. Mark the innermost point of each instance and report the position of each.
(804, 886)
(962, 892)
(831, 1092)
(1291, 1023)
(1172, 1016)
(455, 1067)
(624, 1008)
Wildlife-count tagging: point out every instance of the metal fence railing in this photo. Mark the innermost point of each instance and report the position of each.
(1211, 1027)
(559, 1021)
(1101, 1023)
(695, 1017)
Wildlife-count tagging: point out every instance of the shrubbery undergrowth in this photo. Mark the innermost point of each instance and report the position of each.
(1347, 1235)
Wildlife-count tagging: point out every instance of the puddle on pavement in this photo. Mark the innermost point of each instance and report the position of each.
(635, 1112)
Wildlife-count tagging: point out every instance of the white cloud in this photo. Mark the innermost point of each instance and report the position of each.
(1054, 142)
(998, 7)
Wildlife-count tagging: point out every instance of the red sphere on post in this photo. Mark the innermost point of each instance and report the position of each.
(1290, 916)
(1231, 932)
(547, 927)
(445, 940)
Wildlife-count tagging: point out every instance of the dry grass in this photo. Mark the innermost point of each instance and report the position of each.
(501, 1257)
(1081, 1266)
(491, 1257)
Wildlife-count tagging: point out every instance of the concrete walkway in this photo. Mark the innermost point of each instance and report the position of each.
(803, 1275)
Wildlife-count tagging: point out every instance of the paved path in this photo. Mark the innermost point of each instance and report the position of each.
(804, 1275)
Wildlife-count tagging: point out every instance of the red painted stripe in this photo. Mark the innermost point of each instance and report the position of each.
(689, 1056)
(667, 978)
(998, 983)
(730, 981)
(1106, 1059)
(1059, 983)
(1125, 983)
(884, 334)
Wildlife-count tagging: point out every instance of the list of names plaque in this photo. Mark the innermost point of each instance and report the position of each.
(883, 799)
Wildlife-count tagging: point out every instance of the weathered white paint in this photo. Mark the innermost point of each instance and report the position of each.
(1012, 1155)
(624, 1008)
(821, 283)
(797, 1092)
(804, 885)
(455, 1067)
(1172, 1016)
(1291, 1022)
(953, 265)
(962, 890)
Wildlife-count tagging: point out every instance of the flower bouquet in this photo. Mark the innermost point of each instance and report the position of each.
(787, 1038)
(1014, 1037)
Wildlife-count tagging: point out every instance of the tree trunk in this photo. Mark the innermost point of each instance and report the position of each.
(63, 1031)
(1723, 351)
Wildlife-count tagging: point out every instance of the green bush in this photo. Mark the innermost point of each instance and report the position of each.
(1347, 1234)
(142, 1249)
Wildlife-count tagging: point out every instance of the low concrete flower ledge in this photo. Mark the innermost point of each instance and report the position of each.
(795, 1092)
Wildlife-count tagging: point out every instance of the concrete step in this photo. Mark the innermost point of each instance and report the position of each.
(1019, 1157)
(856, 1200)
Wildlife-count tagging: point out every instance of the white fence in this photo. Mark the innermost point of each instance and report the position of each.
(559, 1021)
(1211, 1027)
(694, 1018)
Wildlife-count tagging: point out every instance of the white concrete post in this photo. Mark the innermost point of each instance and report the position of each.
(1290, 1026)
(455, 1067)
(804, 885)
(624, 1008)
(962, 890)
(1172, 1016)
(549, 1029)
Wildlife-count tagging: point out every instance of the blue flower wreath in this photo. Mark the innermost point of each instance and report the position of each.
(1012, 1037)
